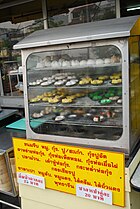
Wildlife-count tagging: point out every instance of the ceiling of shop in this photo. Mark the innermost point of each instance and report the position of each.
(23, 10)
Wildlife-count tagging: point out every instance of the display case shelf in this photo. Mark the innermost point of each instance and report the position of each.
(111, 122)
(35, 69)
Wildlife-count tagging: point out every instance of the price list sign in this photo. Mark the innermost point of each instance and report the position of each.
(73, 169)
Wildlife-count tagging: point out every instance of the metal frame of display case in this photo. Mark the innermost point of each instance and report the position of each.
(115, 32)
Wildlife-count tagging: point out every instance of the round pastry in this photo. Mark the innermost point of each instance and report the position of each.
(45, 99)
(60, 82)
(103, 77)
(109, 94)
(115, 59)
(37, 115)
(78, 95)
(114, 98)
(67, 100)
(47, 83)
(60, 77)
(97, 82)
(107, 60)
(119, 101)
(47, 110)
(96, 97)
(73, 116)
(116, 81)
(115, 76)
(102, 118)
(96, 119)
(32, 83)
(39, 65)
(54, 64)
(53, 100)
(65, 63)
(83, 62)
(85, 80)
(99, 61)
(71, 97)
(45, 79)
(71, 82)
(105, 101)
(59, 118)
(35, 100)
(70, 77)
(47, 64)
(91, 62)
(75, 63)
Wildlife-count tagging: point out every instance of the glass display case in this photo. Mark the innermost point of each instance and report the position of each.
(81, 84)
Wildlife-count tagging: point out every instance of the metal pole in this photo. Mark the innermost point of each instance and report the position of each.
(118, 14)
(45, 15)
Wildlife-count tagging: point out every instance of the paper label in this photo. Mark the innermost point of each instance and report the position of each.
(94, 193)
(31, 180)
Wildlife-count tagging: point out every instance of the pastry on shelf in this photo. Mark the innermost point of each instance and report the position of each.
(99, 61)
(107, 60)
(116, 81)
(115, 76)
(45, 99)
(72, 82)
(53, 100)
(85, 80)
(109, 94)
(37, 98)
(47, 64)
(66, 63)
(96, 97)
(103, 77)
(67, 100)
(105, 101)
(96, 118)
(35, 83)
(60, 82)
(72, 116)
(39, 65)
(47, 83)
(38, 115)
(59, 118)
(80, 94)
(119, 101)
(75, 63)
(83, 62)
(114, 98)
(73, 96)
(97, 82)
(91, 62)
(115, 59)
(48, 110)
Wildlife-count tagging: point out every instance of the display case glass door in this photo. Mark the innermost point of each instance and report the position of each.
(76, 92)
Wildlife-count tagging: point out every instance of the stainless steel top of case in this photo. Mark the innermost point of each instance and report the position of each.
(105, 29)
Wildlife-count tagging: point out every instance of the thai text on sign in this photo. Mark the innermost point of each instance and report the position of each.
(63, 166)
